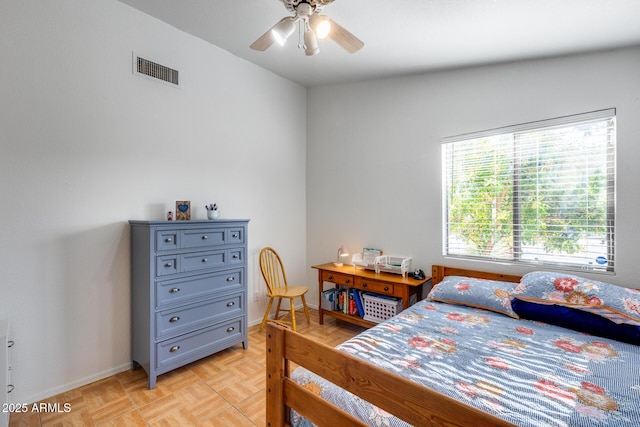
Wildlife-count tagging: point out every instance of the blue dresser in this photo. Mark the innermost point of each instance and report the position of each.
(188, 291)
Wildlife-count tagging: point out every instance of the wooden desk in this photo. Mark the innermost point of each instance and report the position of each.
(367, 280)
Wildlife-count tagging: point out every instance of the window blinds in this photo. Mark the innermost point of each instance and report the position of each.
(541, 192)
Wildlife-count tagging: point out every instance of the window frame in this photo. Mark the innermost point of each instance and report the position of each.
(516, 223)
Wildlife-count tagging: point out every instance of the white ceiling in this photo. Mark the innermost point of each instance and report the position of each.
(408, 36)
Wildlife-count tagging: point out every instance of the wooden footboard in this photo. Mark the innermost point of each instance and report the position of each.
(405, 399)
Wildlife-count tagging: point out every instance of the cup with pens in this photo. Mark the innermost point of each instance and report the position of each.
(213, 212)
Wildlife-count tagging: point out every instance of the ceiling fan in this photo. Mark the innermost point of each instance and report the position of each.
(312, 26)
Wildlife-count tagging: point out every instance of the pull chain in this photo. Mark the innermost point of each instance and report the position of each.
(301, 44)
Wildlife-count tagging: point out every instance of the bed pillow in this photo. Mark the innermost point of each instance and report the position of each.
(577, 320)
(619, 305)
(480, 293)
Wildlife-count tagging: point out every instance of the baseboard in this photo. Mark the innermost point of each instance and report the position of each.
(258, 321)
(109, 372)
(78, 383)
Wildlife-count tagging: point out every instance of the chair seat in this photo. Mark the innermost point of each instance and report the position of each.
(289, 292)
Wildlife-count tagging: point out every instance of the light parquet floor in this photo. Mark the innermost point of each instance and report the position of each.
(224, 389)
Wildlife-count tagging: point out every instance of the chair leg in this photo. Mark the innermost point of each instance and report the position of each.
(266, 314)
(293, 314)
(277, 315)
(306, 309)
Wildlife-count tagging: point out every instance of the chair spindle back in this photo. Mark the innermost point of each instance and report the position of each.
(272, 269)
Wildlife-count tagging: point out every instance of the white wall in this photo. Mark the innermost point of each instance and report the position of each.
(86, 146)
(374, 168)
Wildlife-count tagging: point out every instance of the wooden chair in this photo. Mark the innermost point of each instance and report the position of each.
(277, 287)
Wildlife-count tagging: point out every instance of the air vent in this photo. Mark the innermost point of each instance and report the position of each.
(147, 68)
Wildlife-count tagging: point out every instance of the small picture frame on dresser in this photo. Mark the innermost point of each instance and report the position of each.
(183, 210)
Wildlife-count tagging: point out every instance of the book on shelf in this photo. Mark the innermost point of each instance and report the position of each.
(353, 309)
(329, 298)
(358, 298)
(346, 300)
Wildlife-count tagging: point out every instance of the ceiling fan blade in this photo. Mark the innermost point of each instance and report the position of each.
(267, 39)
(263, 42)
(344, 38)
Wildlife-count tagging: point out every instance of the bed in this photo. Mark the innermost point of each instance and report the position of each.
(447, 361)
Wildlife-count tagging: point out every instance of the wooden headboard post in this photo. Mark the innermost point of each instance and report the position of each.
(439, 272)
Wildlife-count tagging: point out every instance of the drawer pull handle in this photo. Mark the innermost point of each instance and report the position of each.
(235, 256)
(174, 290)
(231, 329)
(234, 235)
(347, 281)
(204, 260)
(205, 237)
(174, 348)
(231, 304)
(174, 319)
(230, 279)
(168, 240)
(330, 277)
(168, 265)
(386, 288)
(364, 285)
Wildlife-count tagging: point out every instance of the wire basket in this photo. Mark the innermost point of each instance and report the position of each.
(378, 309)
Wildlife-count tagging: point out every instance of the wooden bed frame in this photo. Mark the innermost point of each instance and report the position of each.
(409, 401)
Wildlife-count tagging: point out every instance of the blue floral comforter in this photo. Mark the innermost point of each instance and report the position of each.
(529, 373)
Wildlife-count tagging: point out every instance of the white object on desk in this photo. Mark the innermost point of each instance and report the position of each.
(393, 264)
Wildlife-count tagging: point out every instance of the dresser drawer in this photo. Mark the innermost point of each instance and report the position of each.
(202, 237)
(235, 236)
(235, 256)
(166, 265)
(194, 262)
(374, 286)
(198, 261)
(201, 341)
(195, 316)
(337, 278)
(166, 240)
(198, 287)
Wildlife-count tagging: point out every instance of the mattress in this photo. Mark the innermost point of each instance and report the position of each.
(526, 372)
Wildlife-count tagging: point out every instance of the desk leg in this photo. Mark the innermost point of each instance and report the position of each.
(405, 297)
(320, 289)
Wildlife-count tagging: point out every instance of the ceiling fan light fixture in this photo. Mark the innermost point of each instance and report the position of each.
(310, 43)
(312, 24)
(284, 29)
(321, 25)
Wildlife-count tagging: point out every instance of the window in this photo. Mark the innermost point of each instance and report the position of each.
(541, 192)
